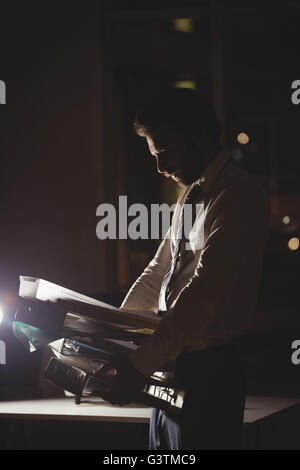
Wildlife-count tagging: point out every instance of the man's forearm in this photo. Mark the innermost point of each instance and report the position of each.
(144, 293)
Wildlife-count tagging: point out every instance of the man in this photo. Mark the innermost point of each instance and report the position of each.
(204, 292)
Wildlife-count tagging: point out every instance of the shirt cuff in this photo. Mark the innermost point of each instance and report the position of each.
(148, 358)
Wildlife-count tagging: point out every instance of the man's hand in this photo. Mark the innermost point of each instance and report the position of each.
(125, 383)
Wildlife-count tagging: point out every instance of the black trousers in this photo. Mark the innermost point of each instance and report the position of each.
(212, 414)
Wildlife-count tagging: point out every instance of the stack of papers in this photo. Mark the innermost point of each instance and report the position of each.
(83, 332)
(93, 309)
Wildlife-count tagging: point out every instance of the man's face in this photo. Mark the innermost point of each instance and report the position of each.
(176, 156)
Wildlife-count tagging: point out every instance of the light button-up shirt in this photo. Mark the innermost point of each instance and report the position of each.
(213, 291)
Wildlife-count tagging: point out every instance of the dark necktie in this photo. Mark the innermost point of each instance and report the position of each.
(162, 307)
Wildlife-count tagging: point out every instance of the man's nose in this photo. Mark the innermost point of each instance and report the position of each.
(161, 164)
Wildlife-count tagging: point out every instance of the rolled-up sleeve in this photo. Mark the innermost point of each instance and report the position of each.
(216, 304)
(144, 293)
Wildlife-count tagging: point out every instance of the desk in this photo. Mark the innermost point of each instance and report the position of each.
(59, 423)
(270, 422)
(64, 409)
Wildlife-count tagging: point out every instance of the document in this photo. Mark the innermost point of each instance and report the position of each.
(87, 307)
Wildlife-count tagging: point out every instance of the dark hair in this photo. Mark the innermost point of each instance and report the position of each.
(185, 110)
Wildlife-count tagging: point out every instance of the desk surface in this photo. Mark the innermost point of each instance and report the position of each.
(66, 409)
(257, 407)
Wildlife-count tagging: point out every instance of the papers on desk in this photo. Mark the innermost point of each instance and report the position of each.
(85, 333)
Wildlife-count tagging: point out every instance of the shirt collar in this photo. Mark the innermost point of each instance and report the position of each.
(213, 170)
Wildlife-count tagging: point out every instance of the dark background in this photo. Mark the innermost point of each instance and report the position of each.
(74, 72)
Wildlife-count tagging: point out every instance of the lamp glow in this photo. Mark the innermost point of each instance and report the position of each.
(184, 25)
(237, 154)
(243, 138)
(1, 315)
(286, 219)
(293, 243)
(185, 84)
